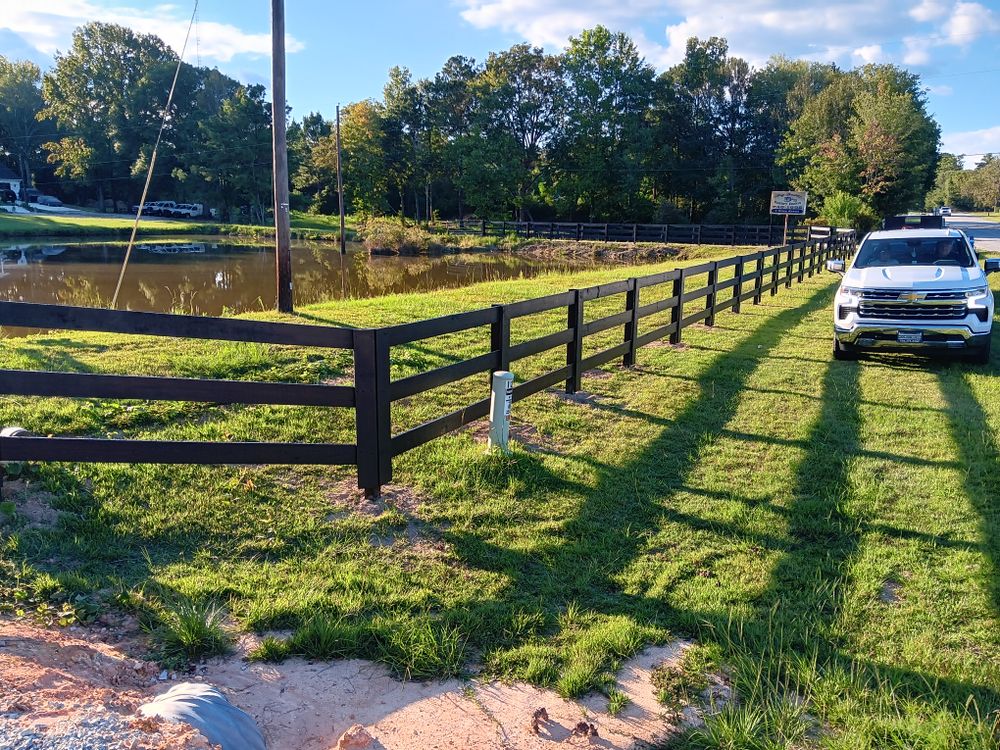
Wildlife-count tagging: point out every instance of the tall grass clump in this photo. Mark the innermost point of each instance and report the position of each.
(189, 629)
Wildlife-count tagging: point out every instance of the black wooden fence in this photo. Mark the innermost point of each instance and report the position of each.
(374, 391)
(697, 234)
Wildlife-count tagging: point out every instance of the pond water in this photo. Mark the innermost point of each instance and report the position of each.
(202, 276)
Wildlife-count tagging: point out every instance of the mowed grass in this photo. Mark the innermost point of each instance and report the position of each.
(829, 528)
(304, 226)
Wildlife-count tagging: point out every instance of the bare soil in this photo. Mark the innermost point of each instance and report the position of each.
(49, 676)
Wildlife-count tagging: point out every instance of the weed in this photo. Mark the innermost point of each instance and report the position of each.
(271, 649)
(323, 637)
(189, 630)
(617, 701)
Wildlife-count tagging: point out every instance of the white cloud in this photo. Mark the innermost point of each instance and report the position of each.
(969, 21)
(975, 142)
(929, 10)
(871, 53)
(846, 32)
(47, 26)
(941, 90)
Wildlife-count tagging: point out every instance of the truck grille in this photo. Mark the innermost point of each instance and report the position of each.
(911, 311)
(886, 304)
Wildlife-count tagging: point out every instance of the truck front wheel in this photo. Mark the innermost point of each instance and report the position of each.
(843, 351)
(981, 356)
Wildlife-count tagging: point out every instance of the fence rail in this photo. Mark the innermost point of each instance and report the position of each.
(374, 391)
(696, 234)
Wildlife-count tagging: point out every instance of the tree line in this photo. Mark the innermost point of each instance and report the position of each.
(592, 133)
(968, 189)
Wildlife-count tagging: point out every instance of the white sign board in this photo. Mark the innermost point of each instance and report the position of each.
(788, 202)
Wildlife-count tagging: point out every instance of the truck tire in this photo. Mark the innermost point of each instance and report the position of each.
(843, 351)
(981, 356)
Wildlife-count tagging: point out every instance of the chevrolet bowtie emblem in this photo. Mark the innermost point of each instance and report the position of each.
(911, 296)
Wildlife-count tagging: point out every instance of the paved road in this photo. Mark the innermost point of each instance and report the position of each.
(987, 233)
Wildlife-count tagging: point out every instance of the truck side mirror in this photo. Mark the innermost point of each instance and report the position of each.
(838, 265)
(992, 265)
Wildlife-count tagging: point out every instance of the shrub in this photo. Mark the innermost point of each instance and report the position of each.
(845, 210)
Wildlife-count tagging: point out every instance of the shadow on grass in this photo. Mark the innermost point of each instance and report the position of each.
(588, 555)
(978, 450)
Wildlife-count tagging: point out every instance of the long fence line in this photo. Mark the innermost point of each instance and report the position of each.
(374, 391)
(691, 234)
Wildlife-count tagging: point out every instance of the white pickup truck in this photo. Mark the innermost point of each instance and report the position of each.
(914, 290)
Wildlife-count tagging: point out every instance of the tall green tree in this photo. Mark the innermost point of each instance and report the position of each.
(604, 139)
(107, 93)
(22, 132)
(235, 154)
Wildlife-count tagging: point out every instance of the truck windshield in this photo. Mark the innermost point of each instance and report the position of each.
(918, 251)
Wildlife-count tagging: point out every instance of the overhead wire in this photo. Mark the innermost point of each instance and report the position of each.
(152, 161)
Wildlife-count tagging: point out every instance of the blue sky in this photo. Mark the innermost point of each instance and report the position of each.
(340, 51)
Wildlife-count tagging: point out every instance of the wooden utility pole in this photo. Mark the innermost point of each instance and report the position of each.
(282, 229)
(340, 188)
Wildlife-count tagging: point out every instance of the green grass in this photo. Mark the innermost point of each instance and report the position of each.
(828, 530)
(304, 227)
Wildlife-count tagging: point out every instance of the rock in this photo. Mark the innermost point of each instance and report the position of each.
(355, 738)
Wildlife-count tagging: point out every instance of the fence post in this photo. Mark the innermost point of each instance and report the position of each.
(775, 261)
(788, 267)
(677, 313)
(635, 232)
(574, 349)
(713, 279)
(552, 229)
(579, 231)
(374, 430)
(812, 256)
(632, 326)
(697, 231)
(607, 235)
(758, 282)
(802, 260)
(738, 287)
(483, 228)
(500, 336)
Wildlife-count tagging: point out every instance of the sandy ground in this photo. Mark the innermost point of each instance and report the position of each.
(301, 706)
(53, 678)
(49, 677)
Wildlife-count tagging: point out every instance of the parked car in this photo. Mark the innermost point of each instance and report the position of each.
(161, 208)
(7, 196)
(48, 200)
(944, 211)
(186, 211)
(914, 290)
(30, 195)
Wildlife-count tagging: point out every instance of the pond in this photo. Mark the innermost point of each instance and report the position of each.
(202, 276)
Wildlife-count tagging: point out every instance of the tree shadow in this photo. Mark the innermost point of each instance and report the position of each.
(978, 449)
(590, 553)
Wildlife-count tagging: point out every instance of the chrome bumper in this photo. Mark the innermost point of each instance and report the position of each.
(881, 336)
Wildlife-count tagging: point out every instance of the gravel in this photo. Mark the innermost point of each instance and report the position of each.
(99, 730)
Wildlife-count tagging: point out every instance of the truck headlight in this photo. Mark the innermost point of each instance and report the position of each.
(979, 296)
(847, 301)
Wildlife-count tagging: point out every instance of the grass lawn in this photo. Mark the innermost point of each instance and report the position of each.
(304, 226)
(829, 529)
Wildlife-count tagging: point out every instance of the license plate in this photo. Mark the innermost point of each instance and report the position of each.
(909, 337)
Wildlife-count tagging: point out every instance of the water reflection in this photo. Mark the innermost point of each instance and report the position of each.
(201, 276)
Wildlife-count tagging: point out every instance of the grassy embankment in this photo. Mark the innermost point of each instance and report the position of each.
(304, 227)
(830, 529)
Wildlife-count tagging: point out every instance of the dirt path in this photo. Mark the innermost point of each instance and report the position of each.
(52, 679)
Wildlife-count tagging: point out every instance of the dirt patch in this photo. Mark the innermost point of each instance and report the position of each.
(59, 679)
(889, 593)
(664, 343)
(31, 503)
(58, 684)
(580, 397)
(524, 433)
(306, 706)
(598, 374)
